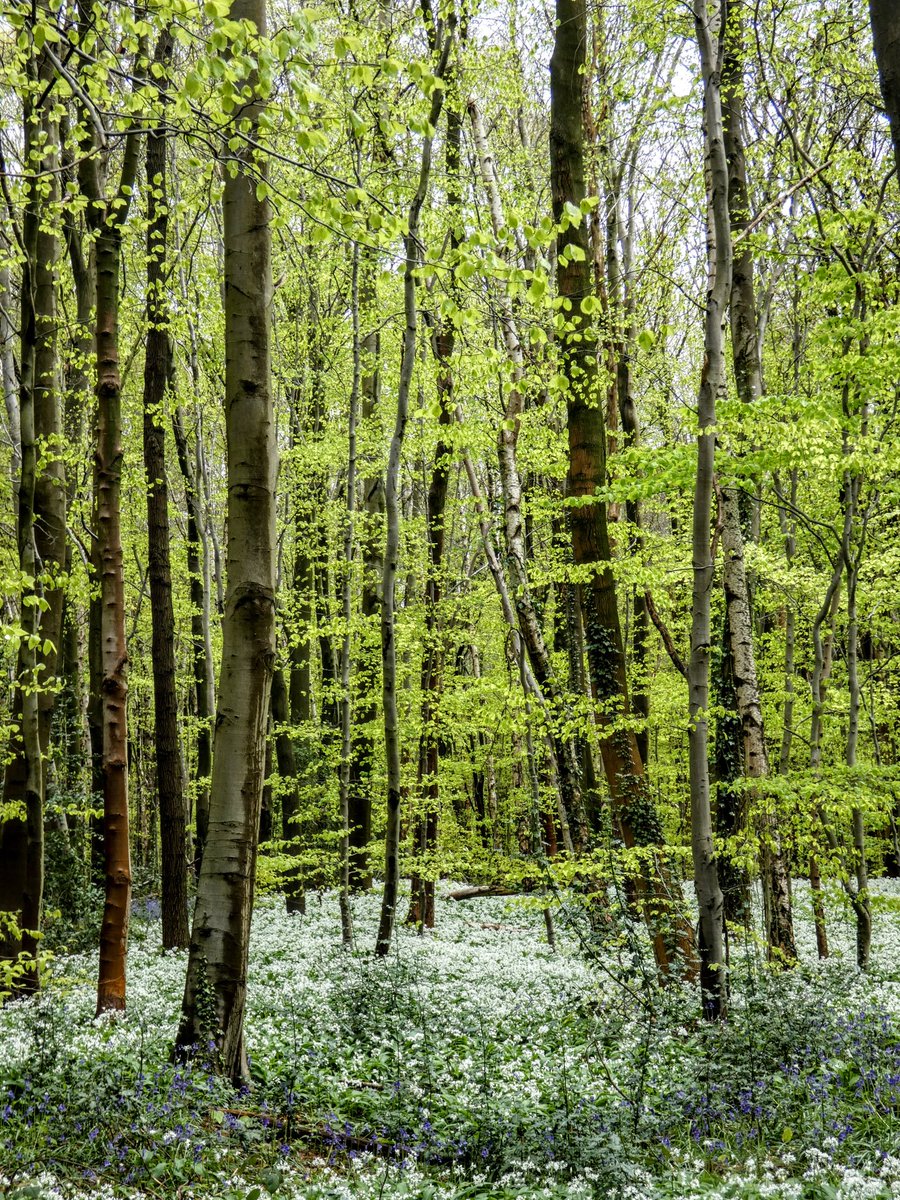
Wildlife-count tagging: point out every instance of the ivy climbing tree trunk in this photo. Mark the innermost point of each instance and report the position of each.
(217, 962)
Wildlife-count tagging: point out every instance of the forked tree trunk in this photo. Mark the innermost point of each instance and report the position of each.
(217, 963)
(170, 782)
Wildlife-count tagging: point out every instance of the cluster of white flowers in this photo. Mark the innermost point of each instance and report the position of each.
(472, 1015)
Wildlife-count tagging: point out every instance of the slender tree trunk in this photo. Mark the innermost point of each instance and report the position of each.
(819, 677)
(201, 640)
(710, 30)
(13, 425)
(392, 541)
(286, 762)
(371, 540)
(748, 381)
(442, 344)
(217, 963)
(346, 698)
(859, 893)
(113, 651)
(170, 782)
(776, 885)
(527, 620)
(106, 216)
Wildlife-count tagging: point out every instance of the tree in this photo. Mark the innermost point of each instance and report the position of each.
(392, 512)
(710, 27)
(217, 963)
(157, 373)
(40, 525)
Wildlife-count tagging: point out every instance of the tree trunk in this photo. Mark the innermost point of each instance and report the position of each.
(392, 540)
(748, 381)
(632, 804)
(885, 17)
(170, 783)
(286, 762)
(346, 698)
(106, 217)
(368, 659)
(709, 25)
(201, 641)
(776, 885)
(41, 496)
(217, 963)
(527, 620)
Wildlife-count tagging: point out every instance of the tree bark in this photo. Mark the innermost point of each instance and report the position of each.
(885, 17)
(201, 641)
(527, 620)
(392, 540)
(709, 24)
(371, 541)
(217, 963)
(346, 698)
(170, 782)
(41, 497)
(632, 804)
(106, 216)
(748, 382)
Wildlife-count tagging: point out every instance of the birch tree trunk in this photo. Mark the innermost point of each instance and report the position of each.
(217, 963)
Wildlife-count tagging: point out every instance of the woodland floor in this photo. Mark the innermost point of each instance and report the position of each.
(474, 1062)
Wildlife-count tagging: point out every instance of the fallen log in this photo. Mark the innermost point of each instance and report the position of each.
(486, 889)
